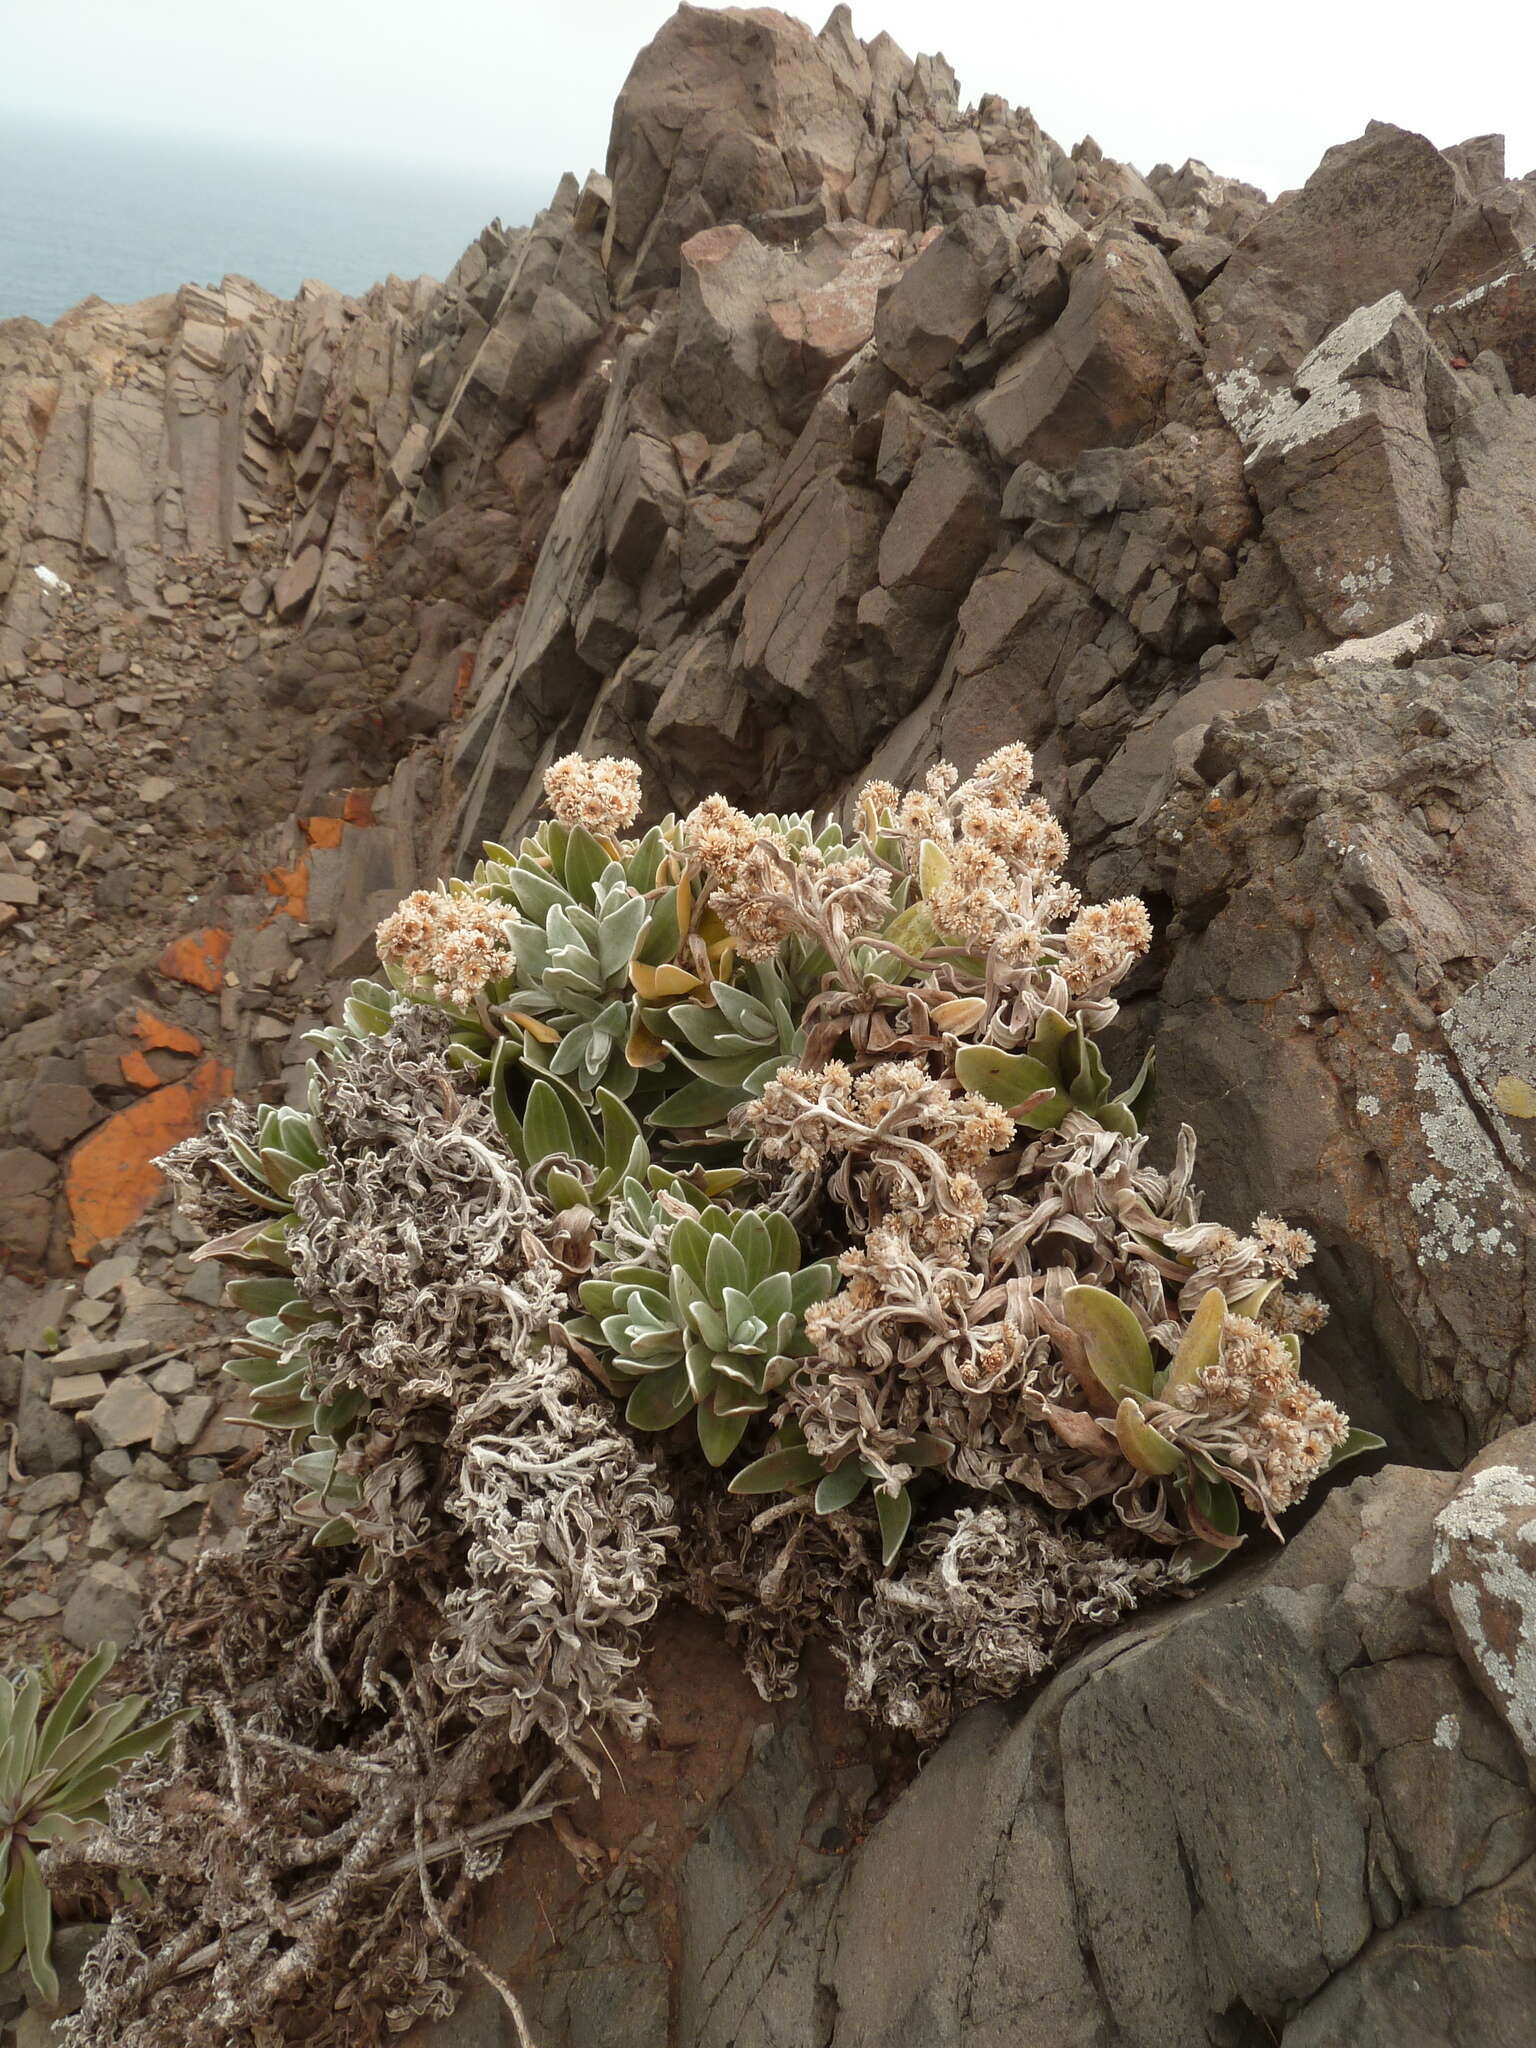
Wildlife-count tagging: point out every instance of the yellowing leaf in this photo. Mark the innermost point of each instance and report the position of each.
(1200, 1345)
(1143, 1446)
(661, 984)
(546, 1034)
(932, 867)
(643, 1048)
(960, 1014)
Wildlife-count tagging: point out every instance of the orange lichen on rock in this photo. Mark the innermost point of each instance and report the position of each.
(357, 807)
(137, 1071)
(291, 887)
(159, 1034)
(112, 1178)
(198, 959)
(324, 831)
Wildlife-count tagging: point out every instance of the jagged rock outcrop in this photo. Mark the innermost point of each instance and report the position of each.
(831, 430)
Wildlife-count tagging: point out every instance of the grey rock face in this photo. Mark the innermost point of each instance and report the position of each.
(1246, 1812)
(1349, 971)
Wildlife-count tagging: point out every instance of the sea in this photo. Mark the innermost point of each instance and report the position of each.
(125, 215)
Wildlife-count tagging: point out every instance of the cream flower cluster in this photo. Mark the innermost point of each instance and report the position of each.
(763, 889)
(1004, 850)
(602, 796)
(457, 942)
(1287, 1430)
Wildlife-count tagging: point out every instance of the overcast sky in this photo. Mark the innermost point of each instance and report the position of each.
(522, 91)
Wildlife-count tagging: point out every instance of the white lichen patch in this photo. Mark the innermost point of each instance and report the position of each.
(1453, 1203)
(1244, 399)
(1373, 574)
(1402, 1042)
(1447, 1732)
(1397, 643)
(1330, 397)
(1480, 292)
(1369, 1105)
(1476, 1535)
(1491, 1030)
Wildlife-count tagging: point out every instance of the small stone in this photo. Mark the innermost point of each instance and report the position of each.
(47, 1439)
(138, 1508)
(191, 1420)
(53, 1490)
(77, 1390)
(34, 1607)
(224, 1433)
(107, 1467)
(204, 1284)
(19, 889)
(176, 1377)
(104, 1607)
(110, 664)
(130, 1414)
(176, 594)
(58, 1112)
(104, 1356)
(154, 789)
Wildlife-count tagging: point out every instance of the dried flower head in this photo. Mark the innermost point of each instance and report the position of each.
(1302, 1315)
(459, 942)
(1273, 1422)
(764, 888)
(1104, 940)
(1286, 1249)
(603, 796)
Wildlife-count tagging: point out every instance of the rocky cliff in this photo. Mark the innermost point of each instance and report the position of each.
(838, 428)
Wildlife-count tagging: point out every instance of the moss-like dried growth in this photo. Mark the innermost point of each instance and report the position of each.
(742, 1208)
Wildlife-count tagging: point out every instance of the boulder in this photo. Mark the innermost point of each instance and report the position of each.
(724, 116)
(1369, 221)
(799, 605)
(943, 526)
(941, 297)
(1349, 477)
(1496, 312)
(1239, 1804)
(1485, 1580)
(1105, 373)
(1344, 1016)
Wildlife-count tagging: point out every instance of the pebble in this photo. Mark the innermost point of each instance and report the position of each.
(76, 1390)
(107, 1275)
(130, 1414)
(177, 1377)
(34, 1607)
(104, 1607)
(138, 1508)
(101, 1356)
(191, 1420)
(53, 1490)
